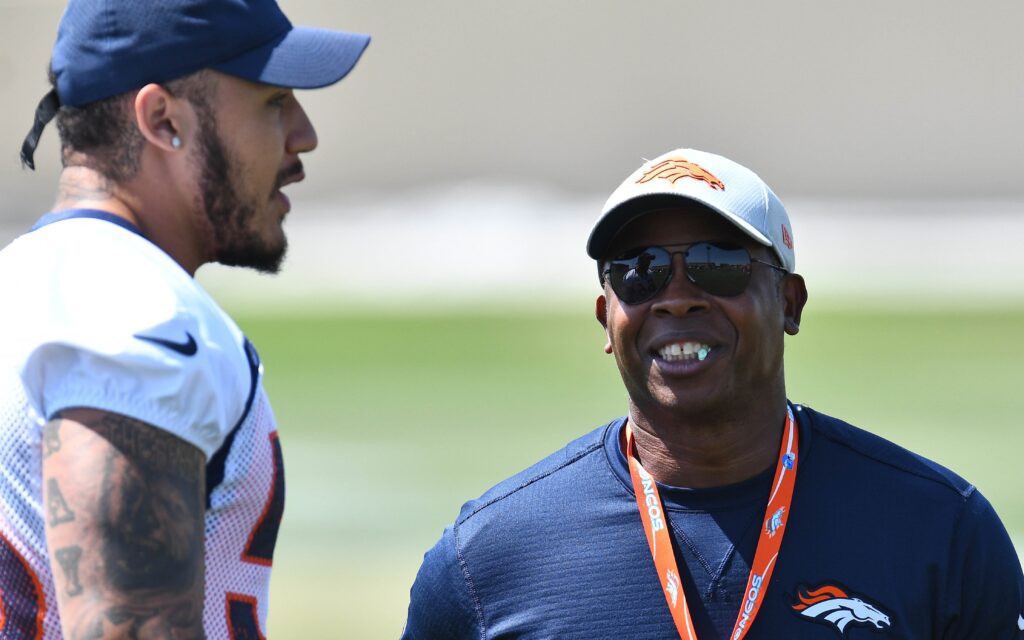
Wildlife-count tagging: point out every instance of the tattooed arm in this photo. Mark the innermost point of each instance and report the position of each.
(124, 515)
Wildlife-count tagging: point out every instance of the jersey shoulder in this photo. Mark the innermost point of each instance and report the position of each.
(106, 268)
(117, 325)
(560, 466)
(871, 450)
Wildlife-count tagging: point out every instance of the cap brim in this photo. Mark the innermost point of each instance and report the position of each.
(302, 58)
(620, 215)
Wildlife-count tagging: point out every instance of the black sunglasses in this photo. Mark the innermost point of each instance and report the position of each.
(719, 268)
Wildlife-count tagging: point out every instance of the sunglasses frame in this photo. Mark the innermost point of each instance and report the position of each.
(604, 267)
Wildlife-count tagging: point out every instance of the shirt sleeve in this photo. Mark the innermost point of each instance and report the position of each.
(183, 395)
(985, 593)
(442, 604)
(108, 321)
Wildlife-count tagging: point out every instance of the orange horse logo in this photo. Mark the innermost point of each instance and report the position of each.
(677, 168)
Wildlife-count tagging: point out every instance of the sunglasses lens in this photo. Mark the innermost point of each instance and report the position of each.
(639, 275)
(719, 269)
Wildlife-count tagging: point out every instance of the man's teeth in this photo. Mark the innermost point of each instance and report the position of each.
(684, 351)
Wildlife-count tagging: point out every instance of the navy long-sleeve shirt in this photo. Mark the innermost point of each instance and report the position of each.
(880, 543)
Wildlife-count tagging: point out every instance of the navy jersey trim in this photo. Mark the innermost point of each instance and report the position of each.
(22, 598)
(215, 468)
(94, 214)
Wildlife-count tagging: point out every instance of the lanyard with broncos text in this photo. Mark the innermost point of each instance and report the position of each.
(652, 514)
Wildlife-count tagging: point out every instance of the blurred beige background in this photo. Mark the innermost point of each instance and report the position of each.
(495, 130)
(921, 98)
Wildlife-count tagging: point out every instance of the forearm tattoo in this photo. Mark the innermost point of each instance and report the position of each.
(68, 558)
(56, 505)
(139, 563)
(51, 439)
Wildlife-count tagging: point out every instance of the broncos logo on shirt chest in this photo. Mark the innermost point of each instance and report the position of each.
(837, 608)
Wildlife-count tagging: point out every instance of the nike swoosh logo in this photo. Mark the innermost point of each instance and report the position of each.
(187, 348)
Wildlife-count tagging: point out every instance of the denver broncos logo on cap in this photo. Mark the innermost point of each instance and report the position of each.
(787, 238)
(833, 607)
(674, 169)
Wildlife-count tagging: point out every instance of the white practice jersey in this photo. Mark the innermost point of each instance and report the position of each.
(94, 315)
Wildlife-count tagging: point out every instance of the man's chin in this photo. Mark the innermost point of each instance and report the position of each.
(263, 259)
(678, 403)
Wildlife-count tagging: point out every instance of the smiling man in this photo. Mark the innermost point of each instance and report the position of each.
(716, 508)
(142, 485)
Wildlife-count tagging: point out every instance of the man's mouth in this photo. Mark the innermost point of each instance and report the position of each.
(684, 351)
(291, 175)
(283, 199)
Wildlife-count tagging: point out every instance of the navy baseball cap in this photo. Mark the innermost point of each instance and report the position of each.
(108, 47)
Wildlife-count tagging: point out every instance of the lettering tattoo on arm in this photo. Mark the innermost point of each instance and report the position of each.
(51, 439)
(68, 558)
(127, 527)
(56, 505)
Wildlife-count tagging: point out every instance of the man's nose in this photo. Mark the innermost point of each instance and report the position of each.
(301, 134)
(680, 296)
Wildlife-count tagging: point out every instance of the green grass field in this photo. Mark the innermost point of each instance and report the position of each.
(390, 422)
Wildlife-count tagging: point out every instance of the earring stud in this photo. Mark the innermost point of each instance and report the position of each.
(176, 142)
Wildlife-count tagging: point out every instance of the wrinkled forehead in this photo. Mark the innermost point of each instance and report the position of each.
(678, 224)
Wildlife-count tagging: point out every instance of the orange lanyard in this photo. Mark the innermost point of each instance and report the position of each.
(652, 514)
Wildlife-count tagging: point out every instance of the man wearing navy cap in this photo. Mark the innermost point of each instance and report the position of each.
(143, 481)
(716, 508)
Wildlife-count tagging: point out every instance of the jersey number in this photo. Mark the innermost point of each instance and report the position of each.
(242, 611)
(243, 621)
(260, 548)
(22, 604)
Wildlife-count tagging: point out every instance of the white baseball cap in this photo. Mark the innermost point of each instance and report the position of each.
(732, 190)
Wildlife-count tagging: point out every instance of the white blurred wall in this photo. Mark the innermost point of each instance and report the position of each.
(489, 133)
(501, 248)
(918, 99)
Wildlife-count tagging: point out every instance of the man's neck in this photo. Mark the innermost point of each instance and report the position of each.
(708, 452)
(84, 188)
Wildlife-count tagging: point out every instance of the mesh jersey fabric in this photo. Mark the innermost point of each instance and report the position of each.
(880, 543)
(96, 306)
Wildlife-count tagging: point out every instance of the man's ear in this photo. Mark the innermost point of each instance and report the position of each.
(795, 293)
(601, 313)
(161, 117)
